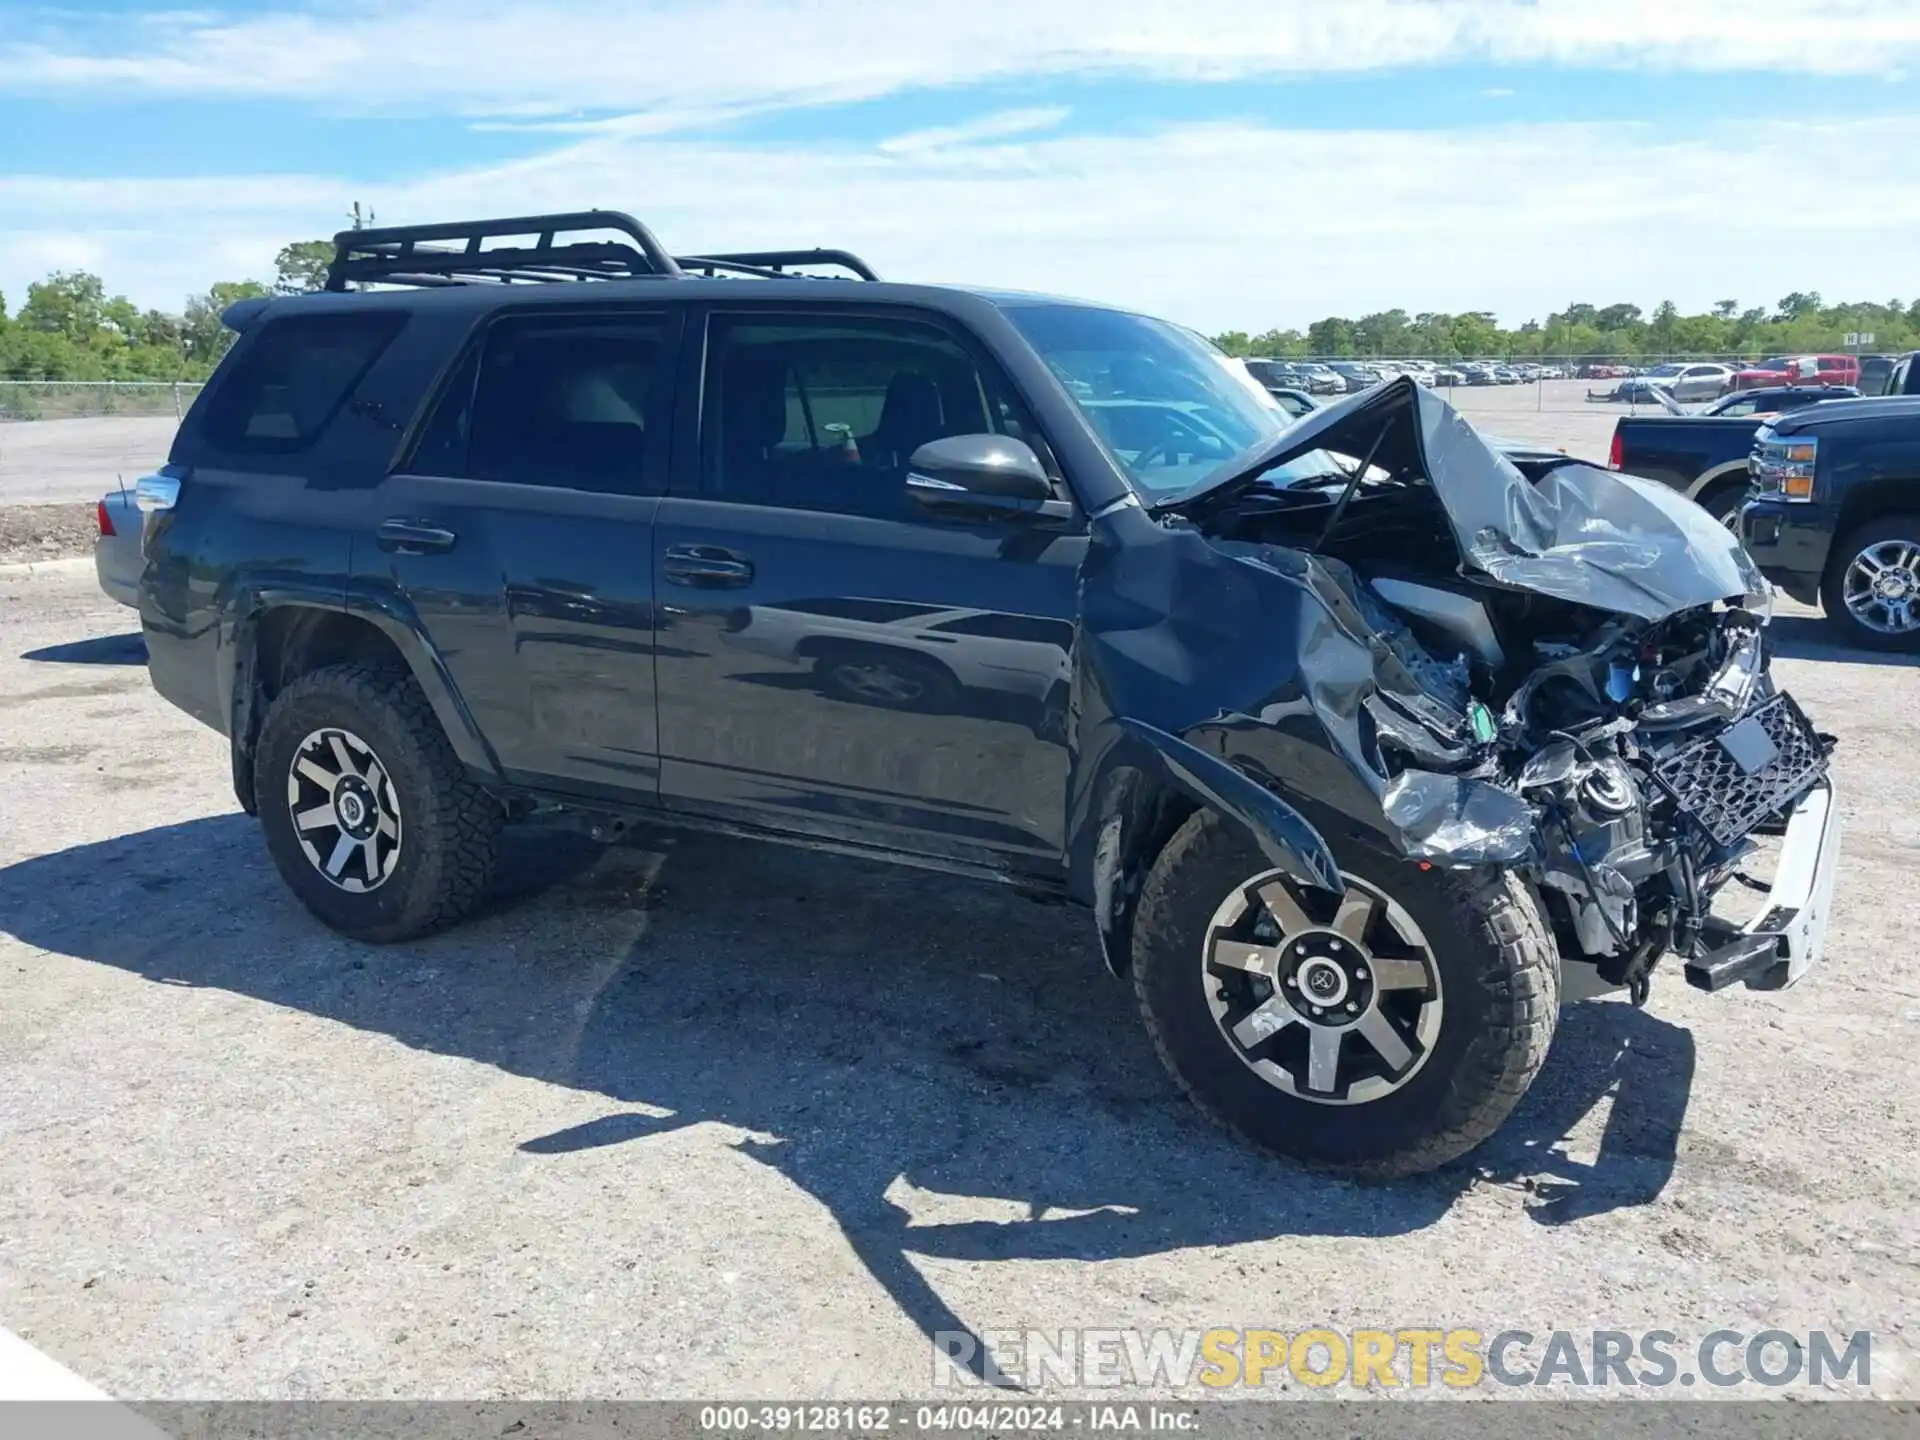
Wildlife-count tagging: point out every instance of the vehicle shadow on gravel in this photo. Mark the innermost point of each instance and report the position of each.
(1805, 637)
(129, 649)
(945, 1066)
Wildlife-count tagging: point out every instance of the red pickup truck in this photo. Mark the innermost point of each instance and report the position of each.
(1800, 370)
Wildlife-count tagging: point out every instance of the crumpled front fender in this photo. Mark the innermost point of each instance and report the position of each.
(1283, 834)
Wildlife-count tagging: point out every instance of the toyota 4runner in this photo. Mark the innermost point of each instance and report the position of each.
(1366, 746)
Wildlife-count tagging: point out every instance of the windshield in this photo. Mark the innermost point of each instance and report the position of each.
(1171, 409)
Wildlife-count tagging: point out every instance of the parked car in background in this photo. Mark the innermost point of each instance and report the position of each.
(1799, 370)
(1270, 372)
(1690, 382)
(1633, 390)
(1355, 375)
(1904, 378)
(1835, 515)
(1704, 455)
(1874, 373)
(1295, 402)
(116, 549)
(1321, 379)
(1449, 375)
(1767, 403)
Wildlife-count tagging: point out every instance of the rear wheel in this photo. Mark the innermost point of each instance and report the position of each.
(1872, 590)
(1383, 1032)
(368, 814)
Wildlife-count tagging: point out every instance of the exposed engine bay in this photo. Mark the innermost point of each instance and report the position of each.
(1570, 676)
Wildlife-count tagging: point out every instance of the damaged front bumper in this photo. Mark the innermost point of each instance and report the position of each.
(1788, 935)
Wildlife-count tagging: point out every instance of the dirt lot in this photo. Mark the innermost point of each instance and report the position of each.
(708, 1118)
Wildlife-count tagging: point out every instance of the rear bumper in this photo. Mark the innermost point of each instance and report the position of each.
(1790, 542)
(117, 562)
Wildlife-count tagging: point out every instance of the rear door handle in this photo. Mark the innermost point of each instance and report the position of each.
(413, 537)
(706, 566)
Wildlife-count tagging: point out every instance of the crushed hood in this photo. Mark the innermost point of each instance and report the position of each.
(1591, 536)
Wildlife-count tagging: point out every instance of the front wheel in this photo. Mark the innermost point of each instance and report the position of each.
(1872, 591)
(1380, 1033)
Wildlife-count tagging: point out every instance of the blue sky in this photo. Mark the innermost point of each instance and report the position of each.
(1224, 162)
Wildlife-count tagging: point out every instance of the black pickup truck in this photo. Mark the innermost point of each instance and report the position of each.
(1704, 455)
(1835, 515)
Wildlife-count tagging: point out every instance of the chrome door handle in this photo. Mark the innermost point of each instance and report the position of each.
(413, 537)
(706, 566)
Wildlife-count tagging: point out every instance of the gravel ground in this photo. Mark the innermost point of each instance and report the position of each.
(707, 1118)
(46, 532)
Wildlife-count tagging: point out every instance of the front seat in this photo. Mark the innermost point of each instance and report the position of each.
(753, 421)
(910, 416)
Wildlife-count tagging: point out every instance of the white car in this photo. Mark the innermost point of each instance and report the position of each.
(1691, 381)
(117, 560)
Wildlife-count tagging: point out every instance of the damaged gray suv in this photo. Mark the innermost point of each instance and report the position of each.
(1368, 744)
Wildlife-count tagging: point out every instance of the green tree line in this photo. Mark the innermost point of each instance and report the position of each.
(70, 328)
(1800, 323)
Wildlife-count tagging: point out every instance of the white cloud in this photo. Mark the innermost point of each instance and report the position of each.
(998, 126)
(1216, 225)
(564, 58)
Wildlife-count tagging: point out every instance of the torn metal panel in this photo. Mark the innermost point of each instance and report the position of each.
(1458, 820)
(1581, 534)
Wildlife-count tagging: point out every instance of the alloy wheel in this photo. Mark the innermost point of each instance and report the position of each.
(1333, 1001)
(1882, 587)
(344, 811)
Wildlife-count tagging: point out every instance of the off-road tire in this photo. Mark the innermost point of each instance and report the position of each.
(1500, 977)
(1848, 630)
(450, 825)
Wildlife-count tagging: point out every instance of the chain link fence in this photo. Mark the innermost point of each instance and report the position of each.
(89, 399)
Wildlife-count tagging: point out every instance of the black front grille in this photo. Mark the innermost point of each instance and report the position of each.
(1708, 784)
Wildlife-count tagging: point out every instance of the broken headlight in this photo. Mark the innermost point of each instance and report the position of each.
(1725, 695)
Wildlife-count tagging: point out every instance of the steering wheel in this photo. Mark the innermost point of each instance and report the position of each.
(1158, 449)
(1188, 441)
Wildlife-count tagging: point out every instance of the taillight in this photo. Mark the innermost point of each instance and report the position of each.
(1615, 450)
(106, 520)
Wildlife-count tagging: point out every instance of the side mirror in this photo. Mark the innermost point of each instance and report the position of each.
(978, 475)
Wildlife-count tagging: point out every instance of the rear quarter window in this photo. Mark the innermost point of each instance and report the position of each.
(292, 379)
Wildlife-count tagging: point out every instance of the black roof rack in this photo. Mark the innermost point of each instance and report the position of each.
(774, 262)
(456, 253)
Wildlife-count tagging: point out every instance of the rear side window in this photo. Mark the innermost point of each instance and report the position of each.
(565, 401)
(289, 383)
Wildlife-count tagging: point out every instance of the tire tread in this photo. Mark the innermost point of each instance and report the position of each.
(454, 819)
(1519, 972)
